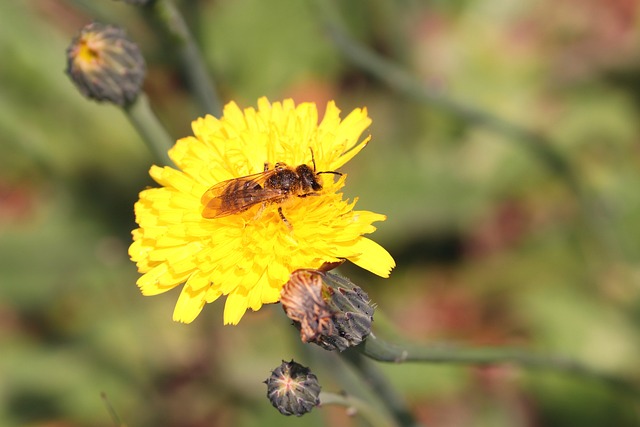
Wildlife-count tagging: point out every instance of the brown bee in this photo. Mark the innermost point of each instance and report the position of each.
(271, 186)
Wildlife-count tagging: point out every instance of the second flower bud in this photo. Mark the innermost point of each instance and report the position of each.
(329, 310)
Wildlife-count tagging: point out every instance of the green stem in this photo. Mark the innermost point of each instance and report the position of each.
(383, 351)
(370, 413)
(403, 82)
(382, 388)
(112, 412)
(407, 85)
(150, 129)
(172, 24)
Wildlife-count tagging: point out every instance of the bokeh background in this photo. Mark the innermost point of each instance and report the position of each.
(494, 246)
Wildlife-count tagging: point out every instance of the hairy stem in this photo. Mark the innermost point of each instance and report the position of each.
(368, 412)
(383, 351)
(150, 129)
(172, 24)
(404, 83)
(382, 388)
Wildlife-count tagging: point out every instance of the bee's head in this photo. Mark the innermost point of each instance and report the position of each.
(309, 178)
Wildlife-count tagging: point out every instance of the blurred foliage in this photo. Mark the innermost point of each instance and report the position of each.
(491, 247)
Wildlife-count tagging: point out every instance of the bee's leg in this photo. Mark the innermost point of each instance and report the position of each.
(284, 219)
(259, 212)
(308, 194)
(266, 166)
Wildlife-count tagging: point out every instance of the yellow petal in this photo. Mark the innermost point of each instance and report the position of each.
(191, 300)
(344, 158)
(156, 281)
(372, 257)
(235, 307)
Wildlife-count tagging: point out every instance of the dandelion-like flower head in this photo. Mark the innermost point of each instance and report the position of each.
(248, 256)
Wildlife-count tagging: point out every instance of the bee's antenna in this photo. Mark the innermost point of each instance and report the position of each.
(313, 159)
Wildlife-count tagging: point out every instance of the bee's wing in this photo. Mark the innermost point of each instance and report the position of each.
(238, 194)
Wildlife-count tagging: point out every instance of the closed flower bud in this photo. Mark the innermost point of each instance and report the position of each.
(328, 309)
(105, 65)
(293, 389)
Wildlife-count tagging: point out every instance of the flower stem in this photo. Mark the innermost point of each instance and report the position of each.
(172, 24)
(368, 412)
(382, 388)
(150, 129)
(403, 82)
(398, 79)
(115, 418)
(383, 351)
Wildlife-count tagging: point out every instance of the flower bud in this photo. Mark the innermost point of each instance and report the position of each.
(105, 65)
(293, 389)
(328, 309)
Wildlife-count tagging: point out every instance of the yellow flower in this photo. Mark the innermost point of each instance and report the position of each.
(249, 255)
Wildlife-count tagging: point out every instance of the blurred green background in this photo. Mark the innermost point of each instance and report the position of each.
(492, 246)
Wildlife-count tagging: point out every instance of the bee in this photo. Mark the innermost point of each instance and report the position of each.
(270, 186)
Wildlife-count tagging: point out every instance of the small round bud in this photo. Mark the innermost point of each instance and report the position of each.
(328, 309)
(105, 65)
(293, 389)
